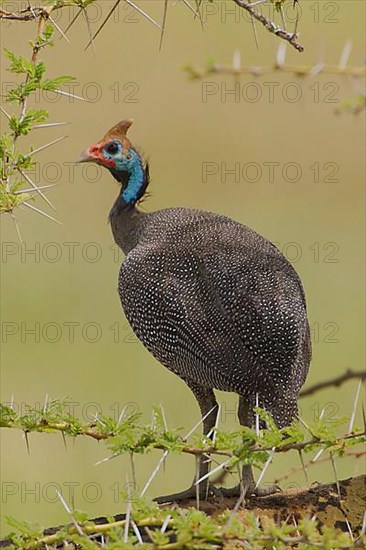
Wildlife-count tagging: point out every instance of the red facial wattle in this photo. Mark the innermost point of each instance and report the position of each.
(95, 154)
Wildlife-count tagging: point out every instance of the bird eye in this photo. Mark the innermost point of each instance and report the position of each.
(128, 156)
(112, 148)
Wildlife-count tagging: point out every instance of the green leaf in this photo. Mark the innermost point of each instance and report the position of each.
(55, 83)
(7, 414)
(39, 70)
(48, 31)
(6, 143)
(23, 127)
(18, 64)
(19, 93)
(9, 201)
(29, 529)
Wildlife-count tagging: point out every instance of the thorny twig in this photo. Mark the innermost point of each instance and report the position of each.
(30, 13)
(91, 431)
(271, 27)
(257, 71)
(43, 16)
(337, 381)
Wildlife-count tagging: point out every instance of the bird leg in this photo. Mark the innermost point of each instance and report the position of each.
(209, 408)
(247, 485)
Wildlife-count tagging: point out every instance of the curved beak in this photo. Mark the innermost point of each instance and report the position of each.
(87, 156)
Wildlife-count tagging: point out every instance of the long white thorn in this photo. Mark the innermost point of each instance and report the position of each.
(165, 13)
(304, 467)
(99, 420)
(349, 529)
(128, 513)
(165, 524)
(322, 412)
(45, 405)
(16, 227)
(41, 212)
(243, 490)
(121, 416)
(50, 125)
(157, 468)
(335, 474)
(218, 468)
(137, 8)
(320, 452)
(114, 7)
(59, 29)
(236, 61)
(36, 189)
(355, 401)
(61, 92)
(281, 54)
(68, 510)
(198, 5)
(192, 430)
(216, 424)
(198, 462)
(268, 462)
(133, 470)
(107, 459)
(73, 20)
(363, 528)
(196, 14)
(137, 532)
(44, 147)
(85, 14)
(254, 28)
(283, 19)
(345, 55)
(5, 113)
(164, 417)
(305, 425)
(317, 69)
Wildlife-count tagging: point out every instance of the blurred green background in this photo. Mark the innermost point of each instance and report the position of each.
(317, 222)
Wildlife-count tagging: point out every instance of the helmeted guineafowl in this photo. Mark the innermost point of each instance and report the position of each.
(212, 300)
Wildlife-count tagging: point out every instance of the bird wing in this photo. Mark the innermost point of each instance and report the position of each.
(223, 306)
(261, 295)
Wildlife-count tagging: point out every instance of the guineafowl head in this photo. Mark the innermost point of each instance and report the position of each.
(116, 153)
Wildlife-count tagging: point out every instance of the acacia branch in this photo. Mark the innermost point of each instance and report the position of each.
(27, 14)
(258, 71)
(31, 13)
(348, 375)
(290, 37)
(45, 426)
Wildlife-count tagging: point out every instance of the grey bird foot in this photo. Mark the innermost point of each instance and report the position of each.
(250, 490)
(205, 493)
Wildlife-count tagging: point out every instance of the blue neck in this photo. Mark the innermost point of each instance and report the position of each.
(135, 181)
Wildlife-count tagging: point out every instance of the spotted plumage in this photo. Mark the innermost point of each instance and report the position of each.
(210, 298)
